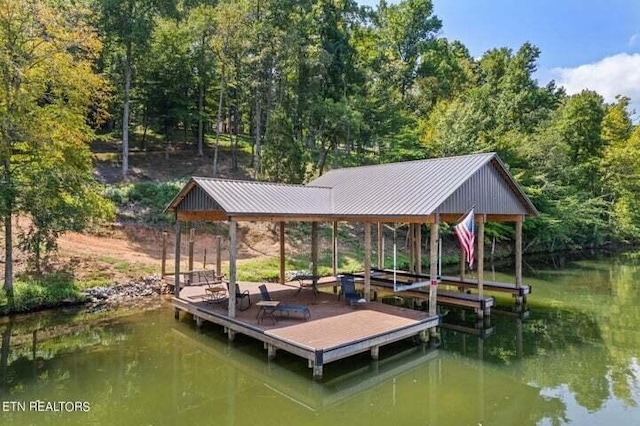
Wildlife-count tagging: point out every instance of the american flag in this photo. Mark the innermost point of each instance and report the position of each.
(465, 231)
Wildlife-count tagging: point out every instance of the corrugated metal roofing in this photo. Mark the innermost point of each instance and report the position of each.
(417, 187)
(250, 197)
(414, 188)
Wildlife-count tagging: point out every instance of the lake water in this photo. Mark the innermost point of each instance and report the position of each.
(574, 360)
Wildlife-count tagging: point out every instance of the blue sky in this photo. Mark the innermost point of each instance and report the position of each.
(591, 44)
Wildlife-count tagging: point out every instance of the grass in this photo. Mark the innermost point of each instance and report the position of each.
(145, 201)
(35, 294)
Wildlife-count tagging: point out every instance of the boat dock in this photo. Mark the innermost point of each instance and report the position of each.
(334, 330)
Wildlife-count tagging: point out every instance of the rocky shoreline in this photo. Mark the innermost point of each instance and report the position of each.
(104, 298)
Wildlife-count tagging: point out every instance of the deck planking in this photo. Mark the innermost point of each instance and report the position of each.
(334, 331)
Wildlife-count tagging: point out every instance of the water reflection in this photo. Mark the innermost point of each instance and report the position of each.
(572, 358)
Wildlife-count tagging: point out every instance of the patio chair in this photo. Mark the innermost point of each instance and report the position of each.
(348, 289)
(214, 291)
(240, 296)
(285, 307)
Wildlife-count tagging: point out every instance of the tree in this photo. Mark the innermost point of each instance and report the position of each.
(46, 66)
(280, 138)
(127, 25)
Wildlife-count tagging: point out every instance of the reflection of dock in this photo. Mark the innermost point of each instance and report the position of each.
(315, 395)
(479, 331)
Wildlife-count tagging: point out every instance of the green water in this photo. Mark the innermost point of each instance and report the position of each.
(574, 360)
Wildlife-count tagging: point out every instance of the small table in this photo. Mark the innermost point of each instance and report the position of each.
(267, 308)
(302, 278)
(216, 294)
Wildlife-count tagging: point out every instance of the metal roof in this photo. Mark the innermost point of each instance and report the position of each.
(420, 187)
(250, 197)
(413, 188)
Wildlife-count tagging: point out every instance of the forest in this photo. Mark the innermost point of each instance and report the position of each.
(311, 85)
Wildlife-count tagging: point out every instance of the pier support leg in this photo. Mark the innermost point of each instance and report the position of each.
(271, 352)
(424, 336)
(375, 353)
(518, 260)
(233, 251)
(231, 335)
(282, 252)
(367, 261)
(176, 313)
(198, 322)
(433, 267)
(317, 371)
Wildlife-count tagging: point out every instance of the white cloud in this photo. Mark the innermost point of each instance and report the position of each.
(611, 76)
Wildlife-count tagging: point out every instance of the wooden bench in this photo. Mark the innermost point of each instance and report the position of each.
(207, 276)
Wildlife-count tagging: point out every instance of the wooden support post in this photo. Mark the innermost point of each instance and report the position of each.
(176, 270)
(463, 265)
(233, 247)
(375, 353)
(204, 259)
(198, 322)
(334, 238)
(231, 335)
(412, 258)
(518, 250)
(281, 252)
(418, 248)
(192, 242)
(271, 352)
(218, 255)
(367, 261)
(317, 371)
(163, 268)
(380, 252)
(433, 266)
(481, 257)
(424, 336)
(314, 252)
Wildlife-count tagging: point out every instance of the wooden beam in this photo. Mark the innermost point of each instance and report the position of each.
(233, 248)
(314, 252)
(433, 268)
(419, 248)
(367, 261)
(163, 267)
(463, 264)
(176, 270)
(201, 215)
(334, 239)
(481, 257)
(331, 218)
(281, 252)
(454, 217)
(218, 255)
(192, 242)
(411, 246)
(380, 252)
(518, 259)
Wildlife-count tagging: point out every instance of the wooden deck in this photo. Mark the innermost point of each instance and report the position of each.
(334, 331)
(384, 279)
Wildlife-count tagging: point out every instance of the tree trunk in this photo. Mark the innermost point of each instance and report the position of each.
(215, 151)
(8, 234)
(257, 143)
(125, 112)
(5, 348)
(200, 120)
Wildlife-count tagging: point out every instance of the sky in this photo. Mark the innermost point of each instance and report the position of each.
(585, 44)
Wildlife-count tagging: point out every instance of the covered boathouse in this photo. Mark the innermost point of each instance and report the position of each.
(418, 192)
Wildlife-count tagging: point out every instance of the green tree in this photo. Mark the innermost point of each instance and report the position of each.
(280, 139)
(46, 66)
